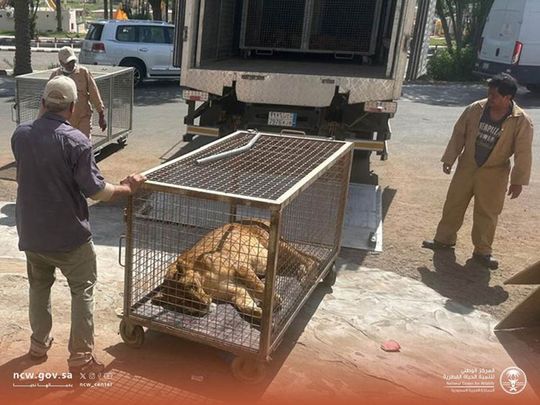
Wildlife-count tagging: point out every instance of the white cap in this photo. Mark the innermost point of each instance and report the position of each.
(66, 54)
(60, 90)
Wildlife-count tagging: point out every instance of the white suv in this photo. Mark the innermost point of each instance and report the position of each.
(147, 46)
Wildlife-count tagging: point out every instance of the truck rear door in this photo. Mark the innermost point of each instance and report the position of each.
(501, 32)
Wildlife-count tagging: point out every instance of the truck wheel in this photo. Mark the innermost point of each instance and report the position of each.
(132, 335)
(248, 370)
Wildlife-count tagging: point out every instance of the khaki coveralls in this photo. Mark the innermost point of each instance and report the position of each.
(488, 183)
(87, 96)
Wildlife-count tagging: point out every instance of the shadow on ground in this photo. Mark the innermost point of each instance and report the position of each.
(158, 92)
(9, 211)
(465, 285)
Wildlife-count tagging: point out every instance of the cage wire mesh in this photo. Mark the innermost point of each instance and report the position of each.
(115, 85)
(355, 30)
(329, 25)
(274, 24)
(268, 170)
(218, 34)
(201, 264)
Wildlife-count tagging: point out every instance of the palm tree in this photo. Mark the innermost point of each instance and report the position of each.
(59, 16)
(23, 57)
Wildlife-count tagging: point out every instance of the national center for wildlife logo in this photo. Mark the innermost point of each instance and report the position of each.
(513, 380)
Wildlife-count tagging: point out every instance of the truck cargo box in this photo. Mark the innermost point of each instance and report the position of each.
(323, 26)
(296, 52)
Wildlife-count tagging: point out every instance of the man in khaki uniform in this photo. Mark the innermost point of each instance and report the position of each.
(486, 135)
(87, 92)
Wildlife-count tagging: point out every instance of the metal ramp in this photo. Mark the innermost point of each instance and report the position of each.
(362, 227)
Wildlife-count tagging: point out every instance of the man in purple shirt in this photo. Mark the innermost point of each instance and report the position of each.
(56, 172)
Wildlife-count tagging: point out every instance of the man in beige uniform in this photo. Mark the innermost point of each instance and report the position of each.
(87, 92)
(486, 135)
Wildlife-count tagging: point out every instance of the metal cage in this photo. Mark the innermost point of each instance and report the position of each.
(255, 232)
(115, 85)
(315, 26)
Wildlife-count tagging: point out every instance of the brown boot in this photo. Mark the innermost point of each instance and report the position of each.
(436, 245)
(486, 260)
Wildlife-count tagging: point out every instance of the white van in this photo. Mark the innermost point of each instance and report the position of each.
(511, 42)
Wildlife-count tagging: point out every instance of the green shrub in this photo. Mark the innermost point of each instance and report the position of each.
(452, 67)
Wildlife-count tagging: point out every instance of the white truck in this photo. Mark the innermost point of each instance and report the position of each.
(331, 68)
(511, 42)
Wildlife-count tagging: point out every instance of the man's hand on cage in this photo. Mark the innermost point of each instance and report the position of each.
(102, 121)
(133, 182)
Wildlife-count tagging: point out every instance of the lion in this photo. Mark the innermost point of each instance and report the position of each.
(225, 265)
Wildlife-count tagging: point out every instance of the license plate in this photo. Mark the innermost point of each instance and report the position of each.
(388, 107)
(485, 66)
(282, 119)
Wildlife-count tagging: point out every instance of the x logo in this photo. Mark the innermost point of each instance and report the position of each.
(82, 376)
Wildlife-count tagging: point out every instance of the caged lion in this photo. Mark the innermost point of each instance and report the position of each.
(226, 265)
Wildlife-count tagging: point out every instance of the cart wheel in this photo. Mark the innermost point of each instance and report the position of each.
(122, 141)
(132, 335)
(247, 370)
(330, 279)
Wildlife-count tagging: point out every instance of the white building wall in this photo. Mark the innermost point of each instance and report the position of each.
(45, 20)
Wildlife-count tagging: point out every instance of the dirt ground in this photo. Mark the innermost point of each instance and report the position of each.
(414, 188)
(412, 206)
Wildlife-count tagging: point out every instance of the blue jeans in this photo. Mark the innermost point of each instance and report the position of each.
(80, 269)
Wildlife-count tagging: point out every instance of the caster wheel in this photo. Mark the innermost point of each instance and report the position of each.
(122, 142)
(249, 371)
(132, 335)
(330, 279)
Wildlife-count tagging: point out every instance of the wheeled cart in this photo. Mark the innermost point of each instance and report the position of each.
(115, 85)
(224, 245)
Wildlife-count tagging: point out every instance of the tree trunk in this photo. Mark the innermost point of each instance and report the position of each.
(59, 16)
(34, 6)
(459, 28)
(452, 16)
(23, 56)
(156, 9)
(166, 11)
(106, 9)
(440, 12)
(478, 20)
